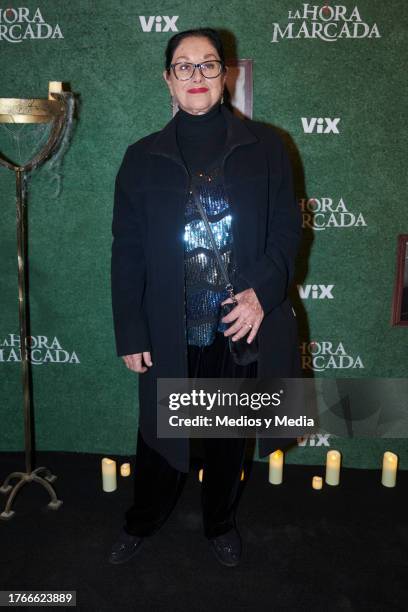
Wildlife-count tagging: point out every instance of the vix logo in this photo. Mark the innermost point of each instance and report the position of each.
(316, 292)
(320, 125)
(168, 25)
(314, 440)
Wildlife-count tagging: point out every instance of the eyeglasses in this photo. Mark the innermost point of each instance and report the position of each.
(183, 71)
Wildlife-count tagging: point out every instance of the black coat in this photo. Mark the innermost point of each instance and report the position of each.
(148, 258)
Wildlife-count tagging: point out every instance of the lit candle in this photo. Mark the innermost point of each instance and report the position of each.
(276, 467)
(108, 475)
(333, 460)
(317, 482)
(125, 469)
(389, 469)
(242, 475)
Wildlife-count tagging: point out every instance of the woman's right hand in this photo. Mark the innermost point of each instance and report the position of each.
(138, 362)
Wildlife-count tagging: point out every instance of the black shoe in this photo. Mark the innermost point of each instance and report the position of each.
(227, 547)
(125, 547)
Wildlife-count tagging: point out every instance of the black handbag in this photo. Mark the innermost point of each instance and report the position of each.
(242, 353)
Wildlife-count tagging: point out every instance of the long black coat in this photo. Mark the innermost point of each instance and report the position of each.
(151, 190)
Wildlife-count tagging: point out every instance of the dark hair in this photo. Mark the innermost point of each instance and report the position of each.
(212, 35)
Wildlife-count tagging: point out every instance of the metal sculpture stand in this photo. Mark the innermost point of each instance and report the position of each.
(58, 109)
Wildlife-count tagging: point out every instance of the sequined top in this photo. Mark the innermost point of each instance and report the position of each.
(204, 283)
(201, 139)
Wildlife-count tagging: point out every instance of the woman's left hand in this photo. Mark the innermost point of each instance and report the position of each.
(248, 315)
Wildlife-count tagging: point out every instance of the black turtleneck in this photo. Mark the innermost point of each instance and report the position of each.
(201, 138)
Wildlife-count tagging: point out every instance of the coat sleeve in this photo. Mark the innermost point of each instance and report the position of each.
(128, 266)
(271, 275)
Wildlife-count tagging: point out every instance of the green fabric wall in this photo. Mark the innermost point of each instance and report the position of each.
(115, 69)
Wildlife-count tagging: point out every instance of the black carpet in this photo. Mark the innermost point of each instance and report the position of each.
(342, 548)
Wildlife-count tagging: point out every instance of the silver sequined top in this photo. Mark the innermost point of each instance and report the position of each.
(204, 284)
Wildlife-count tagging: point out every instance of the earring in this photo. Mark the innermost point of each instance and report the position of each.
(222, 99)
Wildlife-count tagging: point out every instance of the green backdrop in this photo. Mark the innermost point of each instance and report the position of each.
(341, 62)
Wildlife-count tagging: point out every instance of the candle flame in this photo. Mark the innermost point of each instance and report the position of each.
(333, 454)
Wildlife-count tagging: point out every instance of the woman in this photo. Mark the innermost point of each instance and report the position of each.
(167, 288)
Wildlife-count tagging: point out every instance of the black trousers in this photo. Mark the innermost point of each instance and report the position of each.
(157, 485)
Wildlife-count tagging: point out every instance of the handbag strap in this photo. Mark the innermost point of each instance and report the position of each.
(221, 264)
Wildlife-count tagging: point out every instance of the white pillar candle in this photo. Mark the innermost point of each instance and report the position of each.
(276, 467)
(333, 460)
(389, 469)
(317, 483)
(108, 475)
(54, 87)
(125, 469)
